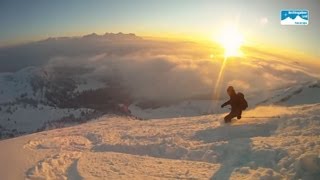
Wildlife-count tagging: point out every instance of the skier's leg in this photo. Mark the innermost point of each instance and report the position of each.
(228, 117)
(239, 114)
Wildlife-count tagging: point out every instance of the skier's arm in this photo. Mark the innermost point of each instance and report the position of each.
(226, 103)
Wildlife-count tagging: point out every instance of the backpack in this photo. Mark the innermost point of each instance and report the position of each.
(243, 102)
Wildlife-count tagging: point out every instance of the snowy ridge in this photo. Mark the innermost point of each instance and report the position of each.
(304, 93)
(301, 93)
(15, 84)
(199, 147)
(26, 104)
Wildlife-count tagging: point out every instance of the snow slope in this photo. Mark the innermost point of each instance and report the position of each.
(303, 93)
(296, 94)
(199, 147)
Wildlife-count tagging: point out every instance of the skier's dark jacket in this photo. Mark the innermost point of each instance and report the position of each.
(234, 102)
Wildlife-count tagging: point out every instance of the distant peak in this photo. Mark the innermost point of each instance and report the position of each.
(121, 36)
(92, 35)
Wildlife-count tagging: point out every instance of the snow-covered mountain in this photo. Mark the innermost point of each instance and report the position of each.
(200, 147)
(35, 99)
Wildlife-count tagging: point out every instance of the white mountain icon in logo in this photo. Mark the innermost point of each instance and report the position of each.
(296, 21)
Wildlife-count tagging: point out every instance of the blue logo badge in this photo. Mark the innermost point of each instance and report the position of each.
(295, 17)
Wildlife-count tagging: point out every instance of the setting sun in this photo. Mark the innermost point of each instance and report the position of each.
(231, 40)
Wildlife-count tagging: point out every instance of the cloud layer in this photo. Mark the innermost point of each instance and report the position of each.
(154, 69)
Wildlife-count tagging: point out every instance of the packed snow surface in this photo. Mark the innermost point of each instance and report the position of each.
(199, 147)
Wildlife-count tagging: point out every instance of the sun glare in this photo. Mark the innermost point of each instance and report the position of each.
(231, 40)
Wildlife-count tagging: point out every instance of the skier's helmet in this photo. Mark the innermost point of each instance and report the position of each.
(230, 89)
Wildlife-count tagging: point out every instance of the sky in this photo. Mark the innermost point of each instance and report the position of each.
(257, 20)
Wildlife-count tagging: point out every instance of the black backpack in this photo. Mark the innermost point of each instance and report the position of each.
(243, 102)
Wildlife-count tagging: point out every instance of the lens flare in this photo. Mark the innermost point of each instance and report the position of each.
(231, 40)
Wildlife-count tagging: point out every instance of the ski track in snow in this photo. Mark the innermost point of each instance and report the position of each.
(199, 147)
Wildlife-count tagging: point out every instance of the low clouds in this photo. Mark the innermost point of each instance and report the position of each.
(156, 70)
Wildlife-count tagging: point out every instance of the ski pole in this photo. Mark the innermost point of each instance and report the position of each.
(261, 117)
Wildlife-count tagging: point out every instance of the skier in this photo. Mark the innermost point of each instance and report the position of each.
(237, 103)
